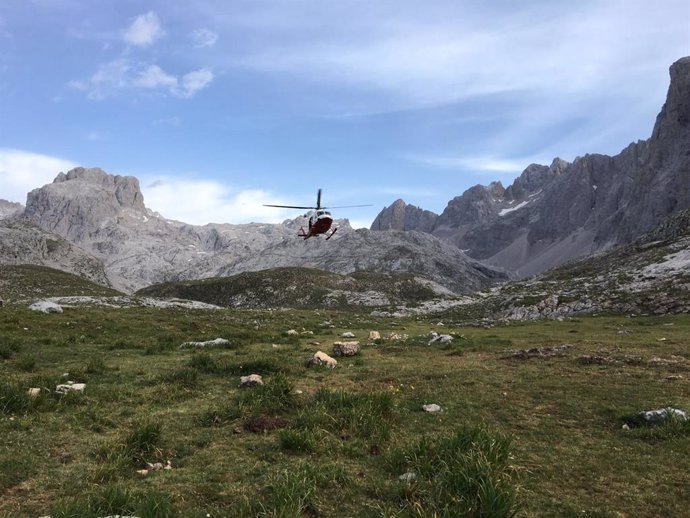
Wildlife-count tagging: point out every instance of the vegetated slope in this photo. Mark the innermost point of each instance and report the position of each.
(301, 288)
(22, 242)
(651, 275)
(391, 252)
(25, 282)
(555, 213)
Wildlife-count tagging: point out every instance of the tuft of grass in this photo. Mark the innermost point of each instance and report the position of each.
(143, 443)
(26, 362)
(293, 492)
(467, 474)
(276, 395)
(297, 441)
(13, 398)
(116, 500)
(186, 377)
(95, 366)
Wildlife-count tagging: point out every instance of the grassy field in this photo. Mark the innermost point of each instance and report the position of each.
(536, 436)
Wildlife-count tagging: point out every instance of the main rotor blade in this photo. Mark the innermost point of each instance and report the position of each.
(318, 200)
(289, 206)
(347, 206)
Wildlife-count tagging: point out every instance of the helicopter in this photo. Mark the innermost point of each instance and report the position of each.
(320, 220)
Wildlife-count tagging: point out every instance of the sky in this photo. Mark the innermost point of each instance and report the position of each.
(219, 106)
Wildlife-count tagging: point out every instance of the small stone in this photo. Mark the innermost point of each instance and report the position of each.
(308, 332)
(374, 335)
(433, 407)
(292, 332)
(253, 380)
(321, 358)
(315, 343)
(34, 392)
(348, 334)
(70, 387)
(143, 472)
(298, 392)
(408, 477)
(626, 427)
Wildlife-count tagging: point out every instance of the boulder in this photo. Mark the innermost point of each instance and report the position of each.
(45, 306)
(321, 358)
(374, 335)
(345, 348)
(252, 380)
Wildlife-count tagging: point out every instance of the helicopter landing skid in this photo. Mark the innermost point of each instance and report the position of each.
(331, 235)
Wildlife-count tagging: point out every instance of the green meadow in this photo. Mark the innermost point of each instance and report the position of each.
(553, 433)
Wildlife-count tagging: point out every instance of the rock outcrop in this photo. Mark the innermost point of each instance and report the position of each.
(401, 216)
(550, 215)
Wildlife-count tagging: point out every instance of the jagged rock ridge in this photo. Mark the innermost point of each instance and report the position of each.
(106, 216)
(552, 214)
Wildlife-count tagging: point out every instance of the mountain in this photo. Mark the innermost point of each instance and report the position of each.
(553, 214)
(650, 275)
(9, 209)
(105, 215)
(22, 242)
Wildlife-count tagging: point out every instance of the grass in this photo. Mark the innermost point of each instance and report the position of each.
(524, 437)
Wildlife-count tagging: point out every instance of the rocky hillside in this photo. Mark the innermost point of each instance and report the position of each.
(22, 242)
(553, 214)
(106, 216)
(302, 288)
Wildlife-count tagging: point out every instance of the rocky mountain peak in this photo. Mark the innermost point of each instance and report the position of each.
(79, 202)
(401, 216)
(674, 117)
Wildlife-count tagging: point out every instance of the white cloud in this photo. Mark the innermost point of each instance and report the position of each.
(124, 74)
(23, 171)
(154, 77)
(192, 82)
(144, 30)
(478, 164)
(199, 201)
(203, 38)
(452, 51)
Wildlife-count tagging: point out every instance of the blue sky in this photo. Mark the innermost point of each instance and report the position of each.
(218, 106)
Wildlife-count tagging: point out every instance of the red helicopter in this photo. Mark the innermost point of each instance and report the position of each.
(320, 220)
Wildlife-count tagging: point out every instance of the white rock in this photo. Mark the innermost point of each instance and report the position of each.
(408, 477)
(345, 348)
(207, 343)
(45, 306)
(321, 358)
(348, 334)
(252, 380)
(440, 338)
(374, 335)
(433, 407)
(70, 387)
(655, 416)
(34, 392)
(291, 332)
